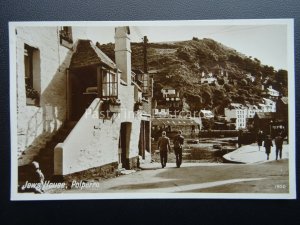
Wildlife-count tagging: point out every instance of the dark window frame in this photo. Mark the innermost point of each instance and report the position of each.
(110, 85)
(66, 36)
(32, 95)
(28, 65)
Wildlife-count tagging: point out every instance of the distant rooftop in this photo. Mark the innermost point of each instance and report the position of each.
(285, 100)
(168, 88)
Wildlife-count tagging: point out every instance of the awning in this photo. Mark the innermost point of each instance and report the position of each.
(173, 122)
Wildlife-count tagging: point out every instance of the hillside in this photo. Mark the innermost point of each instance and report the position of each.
(180, 65)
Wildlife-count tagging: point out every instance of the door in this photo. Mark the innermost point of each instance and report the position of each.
(124, 144)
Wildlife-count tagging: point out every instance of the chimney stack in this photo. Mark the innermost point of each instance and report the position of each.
(123, 52)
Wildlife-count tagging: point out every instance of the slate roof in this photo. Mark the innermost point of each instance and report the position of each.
(171, 96)
(87, 54)
(265, 115)
(168, 88)
(285, 100)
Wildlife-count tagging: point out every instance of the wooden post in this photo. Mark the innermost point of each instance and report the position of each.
(69, 95)
(99, 81)
(145, 54)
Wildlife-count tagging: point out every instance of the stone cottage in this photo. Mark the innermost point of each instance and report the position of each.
(70, 94)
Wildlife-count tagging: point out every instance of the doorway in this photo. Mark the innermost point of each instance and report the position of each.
(124, 144)
(144, 139)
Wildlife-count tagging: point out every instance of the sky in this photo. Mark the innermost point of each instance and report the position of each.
(266, 42)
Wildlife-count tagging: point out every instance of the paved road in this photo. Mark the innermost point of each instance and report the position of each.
(269, 177)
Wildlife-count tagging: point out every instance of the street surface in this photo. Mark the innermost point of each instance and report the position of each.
(257, 176)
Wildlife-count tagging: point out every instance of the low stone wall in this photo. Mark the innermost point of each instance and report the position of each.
(217, 133)
(134, 163)
(105, 171)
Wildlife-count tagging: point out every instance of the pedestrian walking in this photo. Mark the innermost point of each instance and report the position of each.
(240, 138)
(178, 145)
(268, 144)
(278, 144)
(164, 147)
(260, 138)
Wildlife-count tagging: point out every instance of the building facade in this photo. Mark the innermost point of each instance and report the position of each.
(42, 58)
(238, 113)
(64, 80)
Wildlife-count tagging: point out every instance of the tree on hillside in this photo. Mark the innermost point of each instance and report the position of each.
(185, 54)
(282, 77)
(281, 82)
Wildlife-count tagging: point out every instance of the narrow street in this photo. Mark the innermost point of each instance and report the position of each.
(268, 177)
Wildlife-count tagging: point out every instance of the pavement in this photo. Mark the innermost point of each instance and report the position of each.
(251, 154)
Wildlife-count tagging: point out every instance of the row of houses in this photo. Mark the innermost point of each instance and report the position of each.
(237, 115)
(241, 114)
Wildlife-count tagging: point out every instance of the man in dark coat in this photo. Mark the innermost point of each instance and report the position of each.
(278, 144)
(240, 138)
(260, 138)
(178, 144)
(268, 144)
(164, 148)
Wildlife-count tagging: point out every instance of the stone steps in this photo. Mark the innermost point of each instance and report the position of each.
(45, 158)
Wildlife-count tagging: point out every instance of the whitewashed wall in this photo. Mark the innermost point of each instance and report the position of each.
(36, 124)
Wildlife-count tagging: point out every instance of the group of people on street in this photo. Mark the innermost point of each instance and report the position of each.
(262, 141)
(267, 143)
(165, 147)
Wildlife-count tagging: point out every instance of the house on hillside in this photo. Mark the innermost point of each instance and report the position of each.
(170, 102)
(264, 121)
(270, 93)
(70, 92)
(251, 110)
(161, 111)
(270, 105)
(207, 78)
(250, 77)
(217, 70)
(167, 91)
(273, 122)
(282, 113)
(206, 114)
(274, 94)
(238, 113)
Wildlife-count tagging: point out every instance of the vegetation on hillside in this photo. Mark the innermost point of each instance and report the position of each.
(180, 65)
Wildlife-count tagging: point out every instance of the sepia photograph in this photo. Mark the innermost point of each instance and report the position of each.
(152, 109)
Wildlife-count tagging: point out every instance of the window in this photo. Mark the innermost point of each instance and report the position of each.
(32, 74)
(145, 85)
(109, 84)
(28, 52)
(65, 36)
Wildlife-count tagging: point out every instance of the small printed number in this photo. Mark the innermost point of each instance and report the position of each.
(280, 186)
